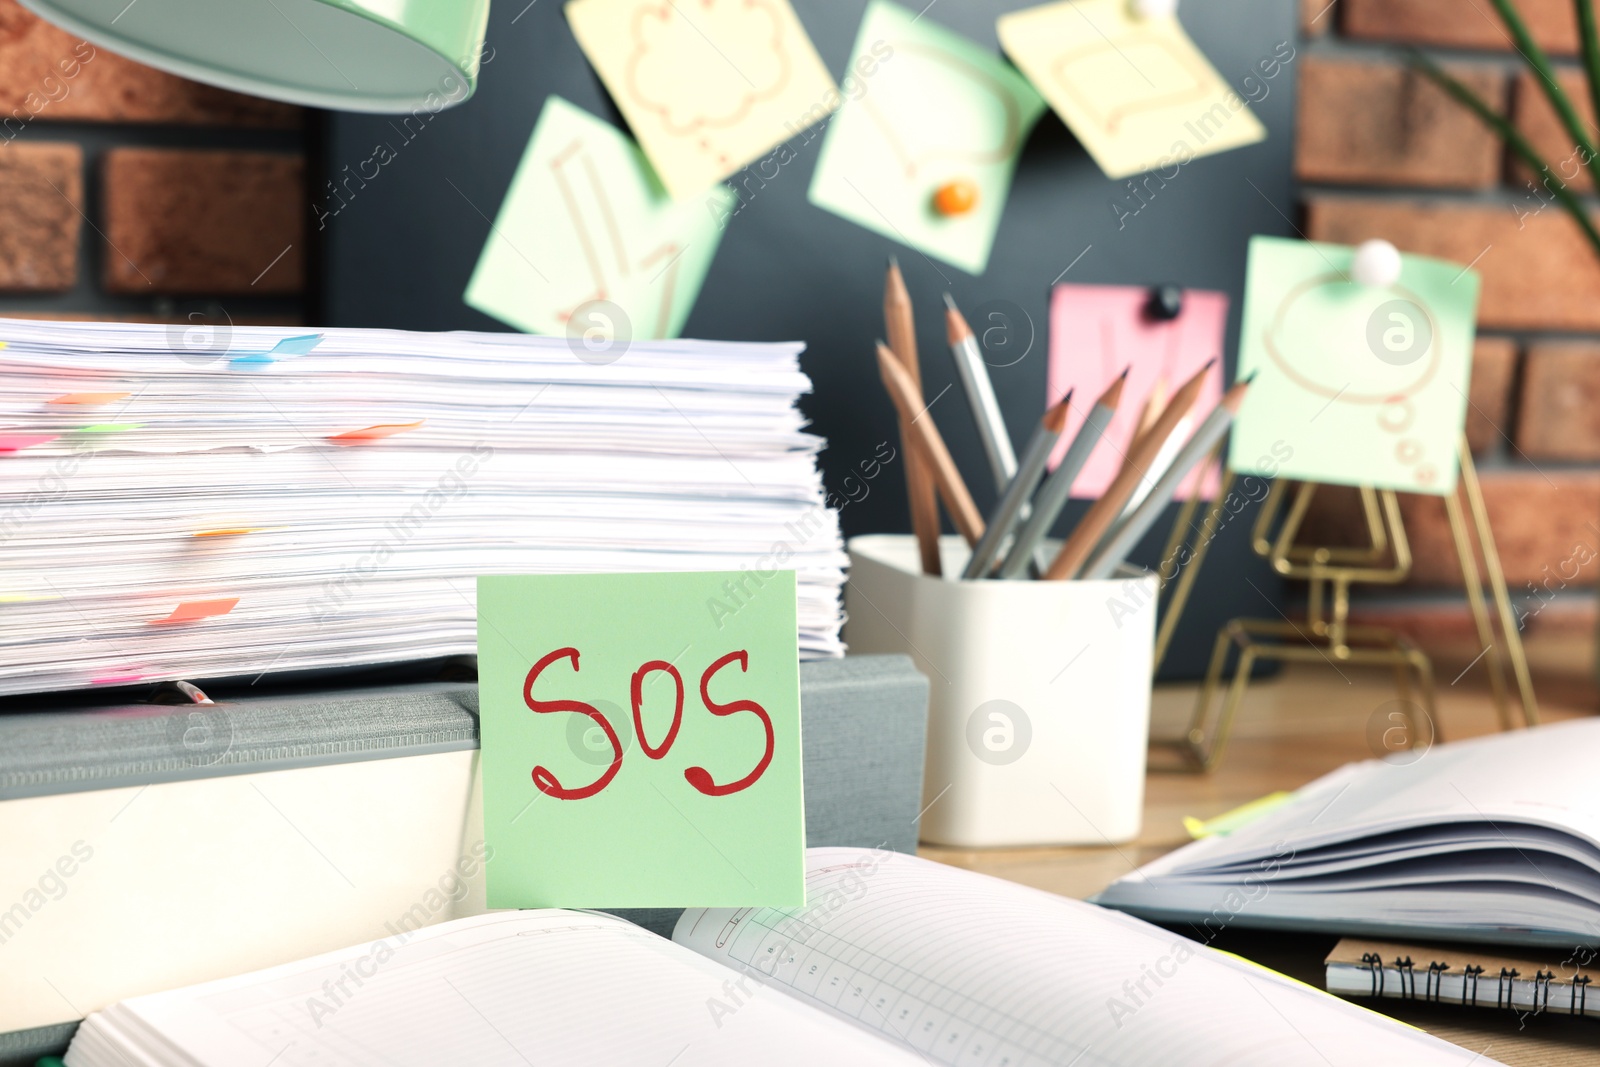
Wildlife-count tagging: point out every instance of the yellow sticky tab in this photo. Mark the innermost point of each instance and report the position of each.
(1229, 821)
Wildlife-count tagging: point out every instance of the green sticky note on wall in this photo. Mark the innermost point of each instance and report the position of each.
(1355, 384)
(640, 744)
(588, 244)
(924, 107)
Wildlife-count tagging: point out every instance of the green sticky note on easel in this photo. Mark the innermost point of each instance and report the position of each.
(640, 743)
(1355, 384)
(924, 108)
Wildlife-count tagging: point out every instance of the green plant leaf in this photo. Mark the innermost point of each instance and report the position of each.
(1513, 138)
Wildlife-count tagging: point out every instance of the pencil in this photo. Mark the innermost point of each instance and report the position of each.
(1104, 511)
(925, 442)
(1034, 460)
(1154, 404)
(902, 334)
(1057, 488)
(1116, 545)
(980, 394)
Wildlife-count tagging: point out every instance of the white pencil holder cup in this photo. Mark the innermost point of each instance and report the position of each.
(1039, 694)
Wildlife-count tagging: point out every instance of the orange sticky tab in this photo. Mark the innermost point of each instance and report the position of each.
(234, 531)
(374, 433)
(191, 610)
(89, 399)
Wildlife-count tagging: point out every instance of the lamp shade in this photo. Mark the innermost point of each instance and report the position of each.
(349, 55)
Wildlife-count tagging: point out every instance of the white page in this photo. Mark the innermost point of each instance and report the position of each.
(508, 989)
(971, 970)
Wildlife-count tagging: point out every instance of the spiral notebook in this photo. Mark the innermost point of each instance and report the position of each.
(1458, 974)
(893, 960)
(1494, 840)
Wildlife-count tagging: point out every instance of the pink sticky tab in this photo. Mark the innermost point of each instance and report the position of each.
(191, 610)
(1095, 331)
(116, 679)
(374, 433)
(16, 442)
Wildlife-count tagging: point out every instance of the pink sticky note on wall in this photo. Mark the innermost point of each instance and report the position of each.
(1095, 331)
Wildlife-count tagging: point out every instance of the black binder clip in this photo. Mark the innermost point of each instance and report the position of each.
(1580, 996)
(1164, 303)
(1408, 977)
(1435, 980)
(1470, 972)
(1374, 965)
(1507, 986)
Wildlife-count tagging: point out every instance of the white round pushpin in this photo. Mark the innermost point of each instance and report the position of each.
(1155, 9)
(1377, 263)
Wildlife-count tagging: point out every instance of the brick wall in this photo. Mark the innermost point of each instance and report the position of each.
(126, 193)
(1381, 152)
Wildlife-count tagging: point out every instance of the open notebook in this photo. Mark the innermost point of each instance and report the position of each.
(1496, 839)
(894, 960)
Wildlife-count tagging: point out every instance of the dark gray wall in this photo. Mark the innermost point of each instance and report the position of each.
(399, 253)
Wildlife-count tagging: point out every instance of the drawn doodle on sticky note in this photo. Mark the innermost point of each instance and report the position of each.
(986, 84)
(663, 34)
(1089, 73)
(1415, 331)
(601, 237)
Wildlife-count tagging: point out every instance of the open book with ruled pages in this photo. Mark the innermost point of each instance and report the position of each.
(1494, 839)
(893, 960)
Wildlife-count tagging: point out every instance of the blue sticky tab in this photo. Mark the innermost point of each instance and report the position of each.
(289, 346)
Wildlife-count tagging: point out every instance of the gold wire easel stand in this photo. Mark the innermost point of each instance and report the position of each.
(1326, 635)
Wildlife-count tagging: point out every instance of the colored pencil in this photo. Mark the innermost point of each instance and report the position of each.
(1057, 488)
(1125, 535)
(902, 335)
(1070, 560)
(1035, 458)
(927, 444)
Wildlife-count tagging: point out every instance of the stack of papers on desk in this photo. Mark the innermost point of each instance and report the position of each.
(288, 502)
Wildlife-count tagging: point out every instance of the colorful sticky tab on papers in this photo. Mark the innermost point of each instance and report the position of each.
(89, 399)
(1243, 815)
(1355, 384)
(641, 740)
(933, 109)
(375, 433)
(110, 427)
(16, 442)
(194, 610)
(289, 346)
(585, 221)
(1134, 90)
(231, 531)
(1096, 331)
(706, 86)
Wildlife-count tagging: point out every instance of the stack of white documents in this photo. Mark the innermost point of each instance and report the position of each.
(181, 506)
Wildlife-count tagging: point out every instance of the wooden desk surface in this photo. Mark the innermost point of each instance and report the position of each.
(1302, 724)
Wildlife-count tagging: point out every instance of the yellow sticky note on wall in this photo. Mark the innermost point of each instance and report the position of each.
(706, 87)
(1135, 91)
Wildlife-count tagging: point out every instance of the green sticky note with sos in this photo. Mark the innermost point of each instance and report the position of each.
(641, 740)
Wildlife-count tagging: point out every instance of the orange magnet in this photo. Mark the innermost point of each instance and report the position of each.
(956, 198)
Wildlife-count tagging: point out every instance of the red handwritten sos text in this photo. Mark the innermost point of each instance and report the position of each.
(698, 777)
